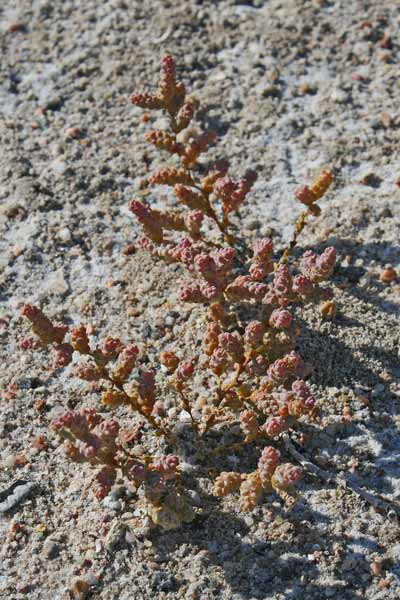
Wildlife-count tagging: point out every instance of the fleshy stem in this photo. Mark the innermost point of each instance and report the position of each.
(308, 195)
(239, 370)
(298, 228)
(186, 406)
(211, 212)
(151, 420)
(236, 446)
(222, 226)
(158, 430)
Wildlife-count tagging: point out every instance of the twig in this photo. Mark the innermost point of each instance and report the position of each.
(379, 502)
(12, 496)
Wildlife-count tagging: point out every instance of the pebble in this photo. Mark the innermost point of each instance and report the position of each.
(112, 504)
(117, 492)
(195, 498)
(186, 467)
(184, 416)
(64, 235)
(376, 568)
(115, 535)
(388, 275)
(59, 167)
(49, 102)
(307, 88)
(9, 461)
(270, 90)
(50, 549)
(339, 96)
(144, 288)
(56, 284)
(127, 515)
(80, 587)
(72, 132)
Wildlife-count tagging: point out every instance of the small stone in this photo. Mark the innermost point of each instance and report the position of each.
(339, 96)
(270, 90)
(127, 515)
(386, 120)
(49, 101)
(80, 588)
(370, 179)
(16, 26)
(349, 563)
(129, 249)
(56, 283)
(159, 323)
(384, 55)
(249, 521)
(9, 461)
(186, 467)
(394, 552)
(130, 537)
(388, 275)
(184, 416)
(145, 287)
(306, 88)
(118, 492)
(254, 224)
(72, 132)
(50, 549)
(112, 504)
(64, 235)
(169, 321)
(273, 75)
(195, 498)
(376, 567)
(328, 309)
(376, 123)
(322, 460)
(386, 376)
(59, 166)
(115, 536)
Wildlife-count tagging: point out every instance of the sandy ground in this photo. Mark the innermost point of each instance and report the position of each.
(290, 86)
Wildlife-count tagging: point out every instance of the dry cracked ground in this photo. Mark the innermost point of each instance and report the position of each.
(290, 86)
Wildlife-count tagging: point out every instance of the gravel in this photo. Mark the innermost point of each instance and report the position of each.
(290, 87)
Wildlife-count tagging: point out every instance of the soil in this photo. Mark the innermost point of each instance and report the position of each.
(290, 86)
